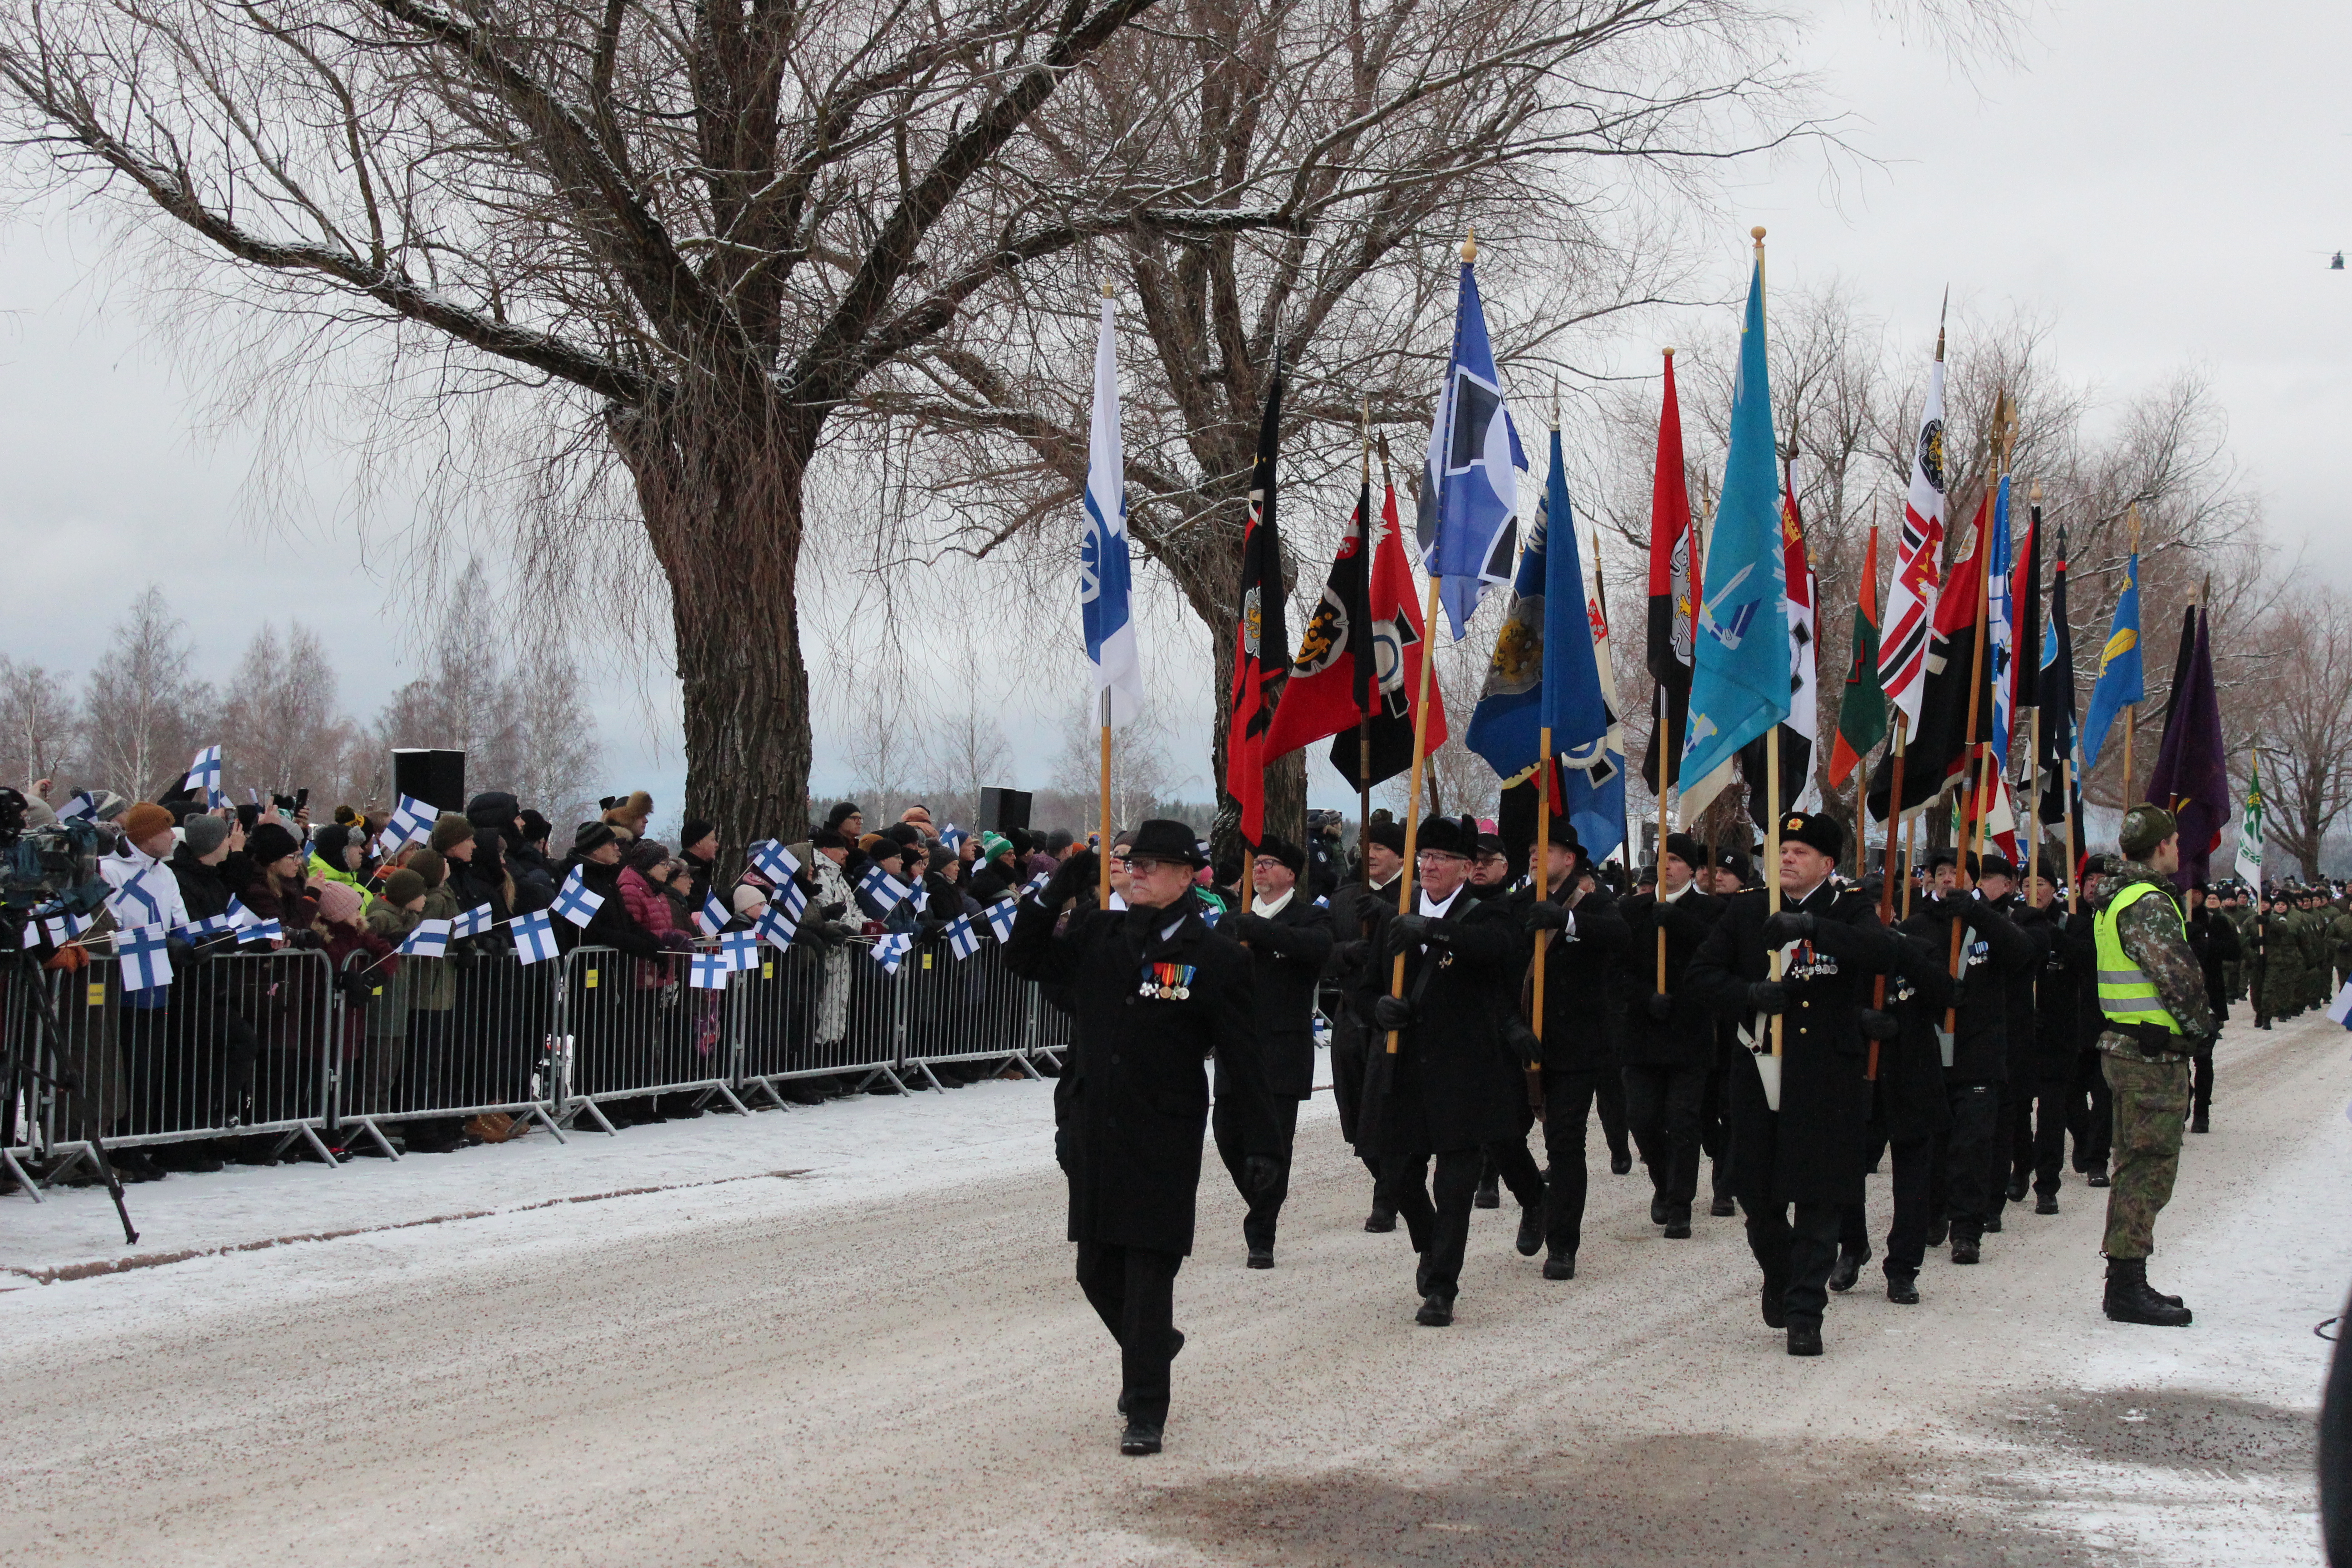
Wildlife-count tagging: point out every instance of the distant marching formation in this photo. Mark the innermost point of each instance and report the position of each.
(1799, 1031)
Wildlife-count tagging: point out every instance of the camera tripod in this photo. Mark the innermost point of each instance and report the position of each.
(66, 1079)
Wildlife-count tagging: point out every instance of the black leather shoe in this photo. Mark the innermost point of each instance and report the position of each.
(1965, 1249)
(1380, 1222)
(1776, 1315)
(1804, 1338)
(1847, 1269)
(1436, 1312)
(1561, 1266)
(1530, 1240)
(1658, 1208)
(1678, 1226)
(1993, 1223)
(1723, 1208)
(1261, 1257)
(2197, 1124)
(2016, 1189)
(2096, 1179)
(1140, 1438)
(1619, 1163)
(1489, 1197)
(1937, 1229)
(1902, 1289)
(2046, 1204)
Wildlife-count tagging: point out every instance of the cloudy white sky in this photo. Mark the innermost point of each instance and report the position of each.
(2162, 181)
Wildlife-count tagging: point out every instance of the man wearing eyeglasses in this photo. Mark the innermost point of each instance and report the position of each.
(1451, 1086)
(1289, 940)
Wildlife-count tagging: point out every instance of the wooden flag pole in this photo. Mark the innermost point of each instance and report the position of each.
(2067, 809)
(2131, 709)
(1102, 855)
(1663, 708)
(1360, 637)
(1961, 880)
(1413, 797)
(1772, 849)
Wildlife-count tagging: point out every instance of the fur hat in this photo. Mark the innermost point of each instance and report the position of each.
(1387, 833)
(1816, 830)
(451, 829)
(631, 810)
(1292, 857)
(1448, 835)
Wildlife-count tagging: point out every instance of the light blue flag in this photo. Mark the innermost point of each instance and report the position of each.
(1102, 557)
(1470, 480)
(2120, 682)
(1741, 673)
(2000, 626)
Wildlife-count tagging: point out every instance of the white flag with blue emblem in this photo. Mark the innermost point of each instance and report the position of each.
(82, 807)
(1037, 881)
(1470, 475)
(534, 937)
(742, 948)
(953, 837)
(429, 939)
(473, 922)
(146, 962)
(204, 773)
(891, 951)
(999, 917)
(774, 861)
(776, 931)
(63, 929)
(710, 971)
(200, 931)
(1103, 572)
(262, 930)
(412, 823)
(788, 894)
(962, 937)
(576, 900)
(712, 916)
(882, 887)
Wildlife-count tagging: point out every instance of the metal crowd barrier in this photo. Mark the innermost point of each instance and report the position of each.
(268, 1046)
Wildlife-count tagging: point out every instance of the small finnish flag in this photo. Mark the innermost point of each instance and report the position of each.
(962, 937)
(710, 971)
(922, 899)
(412, 823)
(774, 929)
(576, 900)
(534, 937)
(742, 949)
(999, 917)
(239, 916)
(429, 939)
(891, 951)
(1037, 881)
(207, 928)
(712, 916)
(146, 964)
(63, 929)
(795, 902)
(82, 807)
(882, 887)
(204, 773)
(954, 836)
(1322, 902)
(473, 922)
(774, 860)
(262, 930)
(1210, 915)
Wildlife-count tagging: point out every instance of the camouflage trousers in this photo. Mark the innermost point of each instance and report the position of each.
(2151, 1101)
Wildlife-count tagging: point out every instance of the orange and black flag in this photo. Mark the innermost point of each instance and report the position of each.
(1261, 642)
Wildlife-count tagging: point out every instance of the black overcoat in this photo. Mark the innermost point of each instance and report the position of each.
(1582, 1003)
(1999, 954)
(1453, 1081)
(1687, 1038)
(1910, 1102)
(1132, 1102)
(2067, 963)
(1286, 966)
(1810, 1152)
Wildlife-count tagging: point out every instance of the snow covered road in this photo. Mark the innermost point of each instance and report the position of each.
(848, 1334)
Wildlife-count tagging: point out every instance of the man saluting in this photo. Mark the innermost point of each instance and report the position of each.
(1154, 992)
(1808, 1154)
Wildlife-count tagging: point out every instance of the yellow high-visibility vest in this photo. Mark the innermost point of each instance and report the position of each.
(2126, 992)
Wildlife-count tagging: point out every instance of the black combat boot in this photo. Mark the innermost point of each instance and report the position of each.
(1490, 1195)
(1677, 1224)
(1381, 1221)
(2046, 1203)
(1965, 1248)
(2095, 1177)
(1531, 1229)
(1902, 1289)
(2130, 1300)
(1804, 1336)
(2197, 1124)
(1847, 1268)
(1436, 1312)
(1561, 1266)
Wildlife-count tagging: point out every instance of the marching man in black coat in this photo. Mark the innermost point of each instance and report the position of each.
(1289, 940)
(1669, 1039)
(1154, 992)
(1454, 1085)
(1580, 1033)
(1806, 1155)
(1353, 907)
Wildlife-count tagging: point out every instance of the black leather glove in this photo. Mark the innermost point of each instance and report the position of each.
(1071, 878)
(1660, 1006)
(1879, 1026)
(1390, 1013)
(1767, 996)
(833, 933)
(305, 939)
(1788, 926)
(1255, 928)
(357, 986)
(179, 950)
(1545, 915)
(833, 912)
(1525, 1044)
(1408, 930)
(1347, 955)
(1261, 1172)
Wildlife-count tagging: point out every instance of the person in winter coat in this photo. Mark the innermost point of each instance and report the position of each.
(630, 812)
(391, 918)
(1581, 1024)
(1289, 940)
(475, 878)
(1352, 917)
(2059, 1039)
(528, 866)
(998, 874)
(651, 910)
(697, 846)
(2214, 941)
(338, 854)
(1806, 1153)
(1669, 1041)
(1909, 1110)
(1155, 993)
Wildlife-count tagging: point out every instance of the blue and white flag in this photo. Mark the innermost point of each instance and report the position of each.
(775, 862)
(790, 896)
(891, 951)
(136, 893)
(473, 922)
(882, 887)
(953, 837)
(262, 930)
(412, 823)
(742, 948)
(999, 917)
(709, 971)
(429, 939)
(146, 962)
(200, 931)
(534, 937)
(1740, 672)
(2000, 626)
(576, 900)
(204, 773)
(712, 916)
(775, 929)
(239, 916)
(1036, 882)
(1470, 476)
(64, 927)
(82, 807)
(962, 937)
(1103, 575)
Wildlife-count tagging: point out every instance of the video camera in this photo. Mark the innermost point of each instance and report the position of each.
(53, 869)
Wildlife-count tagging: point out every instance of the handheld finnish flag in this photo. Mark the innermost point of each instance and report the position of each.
(262, 930)
(774, 861)
(790, 896)
(534, 937)
(146, 964)
(712, 916)
(204, 773)
(82, 807)
(473, 922)
(412, 823)
(429, 939)
(776, 931)
(953, 837)
(576, 900)
(63, 929)
(882, 887)
(1103, 577)
(891, 951)
(962, 937)
(1036, 882)
(1470, 476)
(201, 930)
(999, 917)
(742, 949)
(710, 971)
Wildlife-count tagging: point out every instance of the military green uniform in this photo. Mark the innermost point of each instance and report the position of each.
(2339, 949)
(2273, 966)
(2315, 960)
(2152, 993)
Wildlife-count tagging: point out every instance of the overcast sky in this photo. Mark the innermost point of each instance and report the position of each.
(2162, 182)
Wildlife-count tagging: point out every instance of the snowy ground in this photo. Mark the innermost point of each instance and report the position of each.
(848, 1334)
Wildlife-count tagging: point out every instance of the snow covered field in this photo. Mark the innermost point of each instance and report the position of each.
(849, 1333)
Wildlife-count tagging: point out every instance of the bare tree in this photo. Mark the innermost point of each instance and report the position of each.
(37, 724)
(144, 710)
(280, 729)
(968, 754)
(2301, 717)
(1139, 769)
(555, 758)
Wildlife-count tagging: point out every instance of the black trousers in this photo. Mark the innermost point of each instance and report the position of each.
(1974, 1163)
(1906, 1234)
(1265, 1207)
(1436, 1208)
(2050, 1134)
(2017, 1117)
(1508, 1162)
(1715, 1132)
(2090, 1112)
(1796, 1253)
(1133, 1291)
(1569, 1098)
(2201, 1084)
(1662, 1109)
(1350, 1048)
(1609, 1098)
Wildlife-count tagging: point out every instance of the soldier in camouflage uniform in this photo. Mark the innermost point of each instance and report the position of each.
(2241, 911)
(2339, 945)
(2271, 960)
(2152, 993)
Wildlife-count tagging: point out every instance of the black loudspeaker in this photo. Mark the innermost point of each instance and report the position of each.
(436, 778)
(1001, 810)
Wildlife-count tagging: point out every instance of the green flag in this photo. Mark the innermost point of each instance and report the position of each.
(2249, 830)
(1861, 708)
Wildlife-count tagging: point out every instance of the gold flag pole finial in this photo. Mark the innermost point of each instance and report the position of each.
(1757, 234)
(1107, 289)
(1942, 311)
(1470, 244)
(2033, 494)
